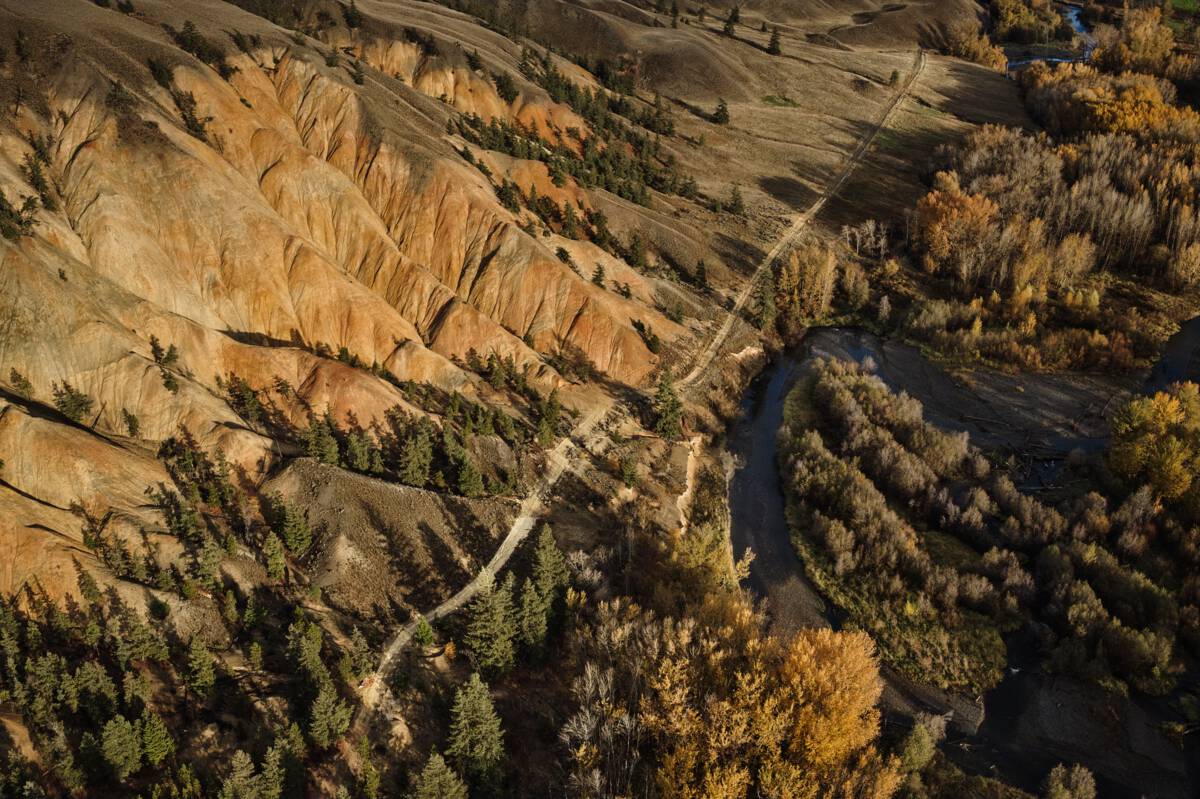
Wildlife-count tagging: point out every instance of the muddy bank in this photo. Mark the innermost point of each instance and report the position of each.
(1031, 721)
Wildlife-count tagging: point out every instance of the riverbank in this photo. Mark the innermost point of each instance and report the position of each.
(1022, 55)
(1032, 720)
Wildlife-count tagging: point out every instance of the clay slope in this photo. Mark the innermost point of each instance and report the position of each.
(302, 215)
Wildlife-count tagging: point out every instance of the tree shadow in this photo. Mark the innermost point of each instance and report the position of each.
(789, 191)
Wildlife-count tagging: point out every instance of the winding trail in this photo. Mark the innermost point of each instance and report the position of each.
(582, 439)
(588, 434)
(797, 227)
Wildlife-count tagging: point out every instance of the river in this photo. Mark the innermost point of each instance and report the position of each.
(1032, 720)
(1074, 16)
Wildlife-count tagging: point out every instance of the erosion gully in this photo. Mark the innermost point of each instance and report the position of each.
(1032, 720)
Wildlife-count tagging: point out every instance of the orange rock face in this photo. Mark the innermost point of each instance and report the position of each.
(311, 215)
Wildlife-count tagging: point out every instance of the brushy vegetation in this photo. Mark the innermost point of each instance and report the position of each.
(1059, 250)
(911, 532)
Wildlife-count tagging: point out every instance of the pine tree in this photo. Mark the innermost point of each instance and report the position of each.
(71, 402)
(271, 777)
(730, 25)
(423, 634)
(629, 471)
(358, 451)
(240, 784)
(229, 607)
(329, 718)
(470, 481)
(319, 441)
(532, 617)
(570, 225)
(368, 775)
(491, 629)
(416, 456)
(255, 656)
(20, 384)
(598, 275)
(721, 115)
(273, 552)
(668, 410)
(437, 781)
(774, 48)
(121, 746)
(736, 205)
(637, 250)
(201, 668)
(476, 739)
(157, 744)
(362, 659)
(132, 425)
(550, 573)
(292, 528)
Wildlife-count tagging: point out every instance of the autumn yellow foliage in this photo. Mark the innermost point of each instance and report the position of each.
(1156, 440)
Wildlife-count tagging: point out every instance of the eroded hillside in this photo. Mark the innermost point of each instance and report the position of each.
(306, 308)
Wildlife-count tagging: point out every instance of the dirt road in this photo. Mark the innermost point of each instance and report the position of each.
(583, 437)
(789, 237)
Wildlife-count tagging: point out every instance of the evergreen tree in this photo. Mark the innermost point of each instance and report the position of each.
(629, 471)
(362, 659)
(423, 634)
(201, 668)
(271, 777)
(319, 441)
(702, 275)
(736, 205)
(721, 115)
(121, 746)
(358, 451)
(273, 552)
(157, 744)
(255, 655)
(240, 784)
(598, 275)
(368, 776)
(532, 618)
(668, 410)
(470, 481)
(730, 24)
(229, 607)
(329, 718)
(774, 48)
(437, 781)
(292, 528)
(476, 740)
(132, 425)
(416, 456)
(492, 627)
(545, 433)
(20, 384)
(71, 402)
(637, 250)
(550, 573)
(570, 225)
